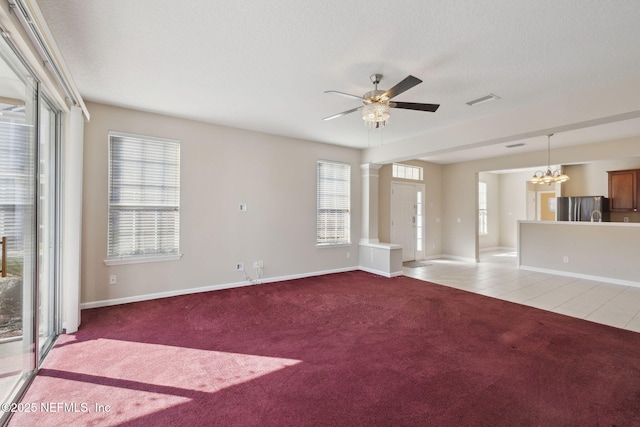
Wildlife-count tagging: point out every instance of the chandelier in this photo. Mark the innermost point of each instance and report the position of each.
(549, 177)
(376, 114)
(376, 106)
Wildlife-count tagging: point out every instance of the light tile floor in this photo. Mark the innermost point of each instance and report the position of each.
(497, 275)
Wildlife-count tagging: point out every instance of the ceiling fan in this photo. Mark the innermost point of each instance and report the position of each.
(377, 103)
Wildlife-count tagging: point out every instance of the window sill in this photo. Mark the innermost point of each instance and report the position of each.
(331, 245)
(141, 259)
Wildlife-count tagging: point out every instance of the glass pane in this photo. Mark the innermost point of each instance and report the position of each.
(46, 227)
(17, 223)
(406, 172)
(419, 222)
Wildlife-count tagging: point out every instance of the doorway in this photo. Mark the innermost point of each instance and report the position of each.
(407, 219)
(546, 206)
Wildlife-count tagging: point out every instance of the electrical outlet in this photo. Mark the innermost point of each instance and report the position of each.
(239, 266)
(256, 264)
(113, 279)
(565, 259)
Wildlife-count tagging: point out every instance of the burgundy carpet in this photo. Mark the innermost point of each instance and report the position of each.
(349, 349)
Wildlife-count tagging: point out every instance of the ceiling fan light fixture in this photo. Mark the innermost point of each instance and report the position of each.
(376, 114)
(377, 105)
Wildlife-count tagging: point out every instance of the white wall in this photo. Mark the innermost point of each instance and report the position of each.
(459, 219)
(433, 209)
(513, 207)
(221, 167)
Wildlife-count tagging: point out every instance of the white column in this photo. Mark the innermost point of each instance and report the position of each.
(369, 203)
(72, 144)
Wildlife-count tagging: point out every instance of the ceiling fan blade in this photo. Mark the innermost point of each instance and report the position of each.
(415, 106)
(335, 92)
(335, 116)
(404, 85)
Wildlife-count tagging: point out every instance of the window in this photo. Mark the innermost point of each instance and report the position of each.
(15, 178)
(144, 198)
(413, 173)
(419, 222)
(334, 203)
(482, 207)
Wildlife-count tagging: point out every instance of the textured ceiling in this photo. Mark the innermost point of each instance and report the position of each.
(265, 65)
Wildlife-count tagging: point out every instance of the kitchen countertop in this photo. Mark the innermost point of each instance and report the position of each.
(588, 223)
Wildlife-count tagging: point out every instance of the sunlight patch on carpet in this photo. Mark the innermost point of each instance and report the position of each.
(166, 365)
(171, 376)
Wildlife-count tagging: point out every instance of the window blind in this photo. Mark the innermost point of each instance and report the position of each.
(334, 203)
(144, 196)
(16, 182)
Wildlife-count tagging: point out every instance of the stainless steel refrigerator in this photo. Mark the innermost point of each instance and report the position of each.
(584, 208)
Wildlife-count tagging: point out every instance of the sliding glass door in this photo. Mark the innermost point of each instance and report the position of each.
(47, 226)
(29, 138)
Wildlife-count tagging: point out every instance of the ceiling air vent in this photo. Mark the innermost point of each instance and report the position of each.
(484, 99)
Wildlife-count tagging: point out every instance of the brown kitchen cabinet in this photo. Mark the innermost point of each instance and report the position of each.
(624, 190)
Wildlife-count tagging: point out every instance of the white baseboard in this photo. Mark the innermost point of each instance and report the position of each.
(459, 258)
(582, 276)
(498, 248)
(381, 273)
(177, 292)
